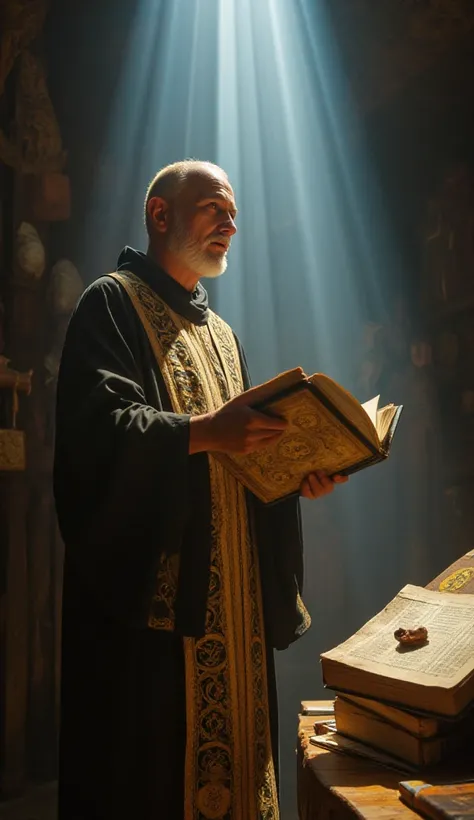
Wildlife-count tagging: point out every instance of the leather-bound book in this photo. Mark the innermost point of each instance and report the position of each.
(328, 429)
(454, 801)
(371, 729)
(458, 577)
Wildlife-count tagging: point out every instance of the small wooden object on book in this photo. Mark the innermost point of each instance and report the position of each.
(328, 429)
(450, 801)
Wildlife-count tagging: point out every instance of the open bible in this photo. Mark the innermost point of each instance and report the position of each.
(328, 429)
(436, 677)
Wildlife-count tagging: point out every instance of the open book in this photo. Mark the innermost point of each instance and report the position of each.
(328, 430)
(436, 677)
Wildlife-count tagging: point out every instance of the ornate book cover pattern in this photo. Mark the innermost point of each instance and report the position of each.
(458, 577)
(315, 440)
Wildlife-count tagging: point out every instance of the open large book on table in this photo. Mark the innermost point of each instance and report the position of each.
(328, 429)
(436, 677)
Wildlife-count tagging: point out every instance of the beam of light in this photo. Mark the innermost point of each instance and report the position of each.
(307, 252)
(315, 256)
(239, 121)
(163, 110)
(254, 86)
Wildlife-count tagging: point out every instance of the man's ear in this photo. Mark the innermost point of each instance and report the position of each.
(158, 213)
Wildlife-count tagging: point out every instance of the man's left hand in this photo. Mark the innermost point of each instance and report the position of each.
(318, 484)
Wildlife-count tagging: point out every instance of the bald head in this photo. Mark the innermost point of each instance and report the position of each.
(172, 180)
(190, 212)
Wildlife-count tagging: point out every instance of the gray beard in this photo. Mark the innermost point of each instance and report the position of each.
(201, 261)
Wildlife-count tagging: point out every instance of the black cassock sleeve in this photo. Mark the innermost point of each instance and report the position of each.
(122, 469)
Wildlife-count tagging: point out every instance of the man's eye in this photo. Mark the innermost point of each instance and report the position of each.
(213, 205)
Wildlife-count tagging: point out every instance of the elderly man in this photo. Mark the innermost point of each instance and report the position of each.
(178, 584)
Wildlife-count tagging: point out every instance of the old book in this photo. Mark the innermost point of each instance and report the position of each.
(416, 723)
(367, 727)
(317, 708)
(336, 742)
(449, 801)
(458, 577)
(436, 677)
(324, 725)
(328, 429)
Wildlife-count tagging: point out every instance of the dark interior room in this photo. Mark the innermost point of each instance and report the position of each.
(346, 129)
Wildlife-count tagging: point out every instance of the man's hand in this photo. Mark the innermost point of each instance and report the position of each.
(239, 429)
(319, 484)
(234, 429)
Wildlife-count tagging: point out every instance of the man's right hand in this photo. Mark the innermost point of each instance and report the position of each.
(234, 429)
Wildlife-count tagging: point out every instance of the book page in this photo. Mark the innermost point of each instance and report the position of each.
(348, 405)
(444, 661)
(371, 407)
(384, 419)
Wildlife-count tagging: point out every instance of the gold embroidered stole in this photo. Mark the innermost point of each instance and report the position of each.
(229, 772)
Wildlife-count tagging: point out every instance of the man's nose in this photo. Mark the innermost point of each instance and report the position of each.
(228, 226)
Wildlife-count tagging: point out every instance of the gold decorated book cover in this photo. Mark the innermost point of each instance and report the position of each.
(328, 429)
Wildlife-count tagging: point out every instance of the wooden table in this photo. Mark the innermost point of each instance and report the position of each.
(334, 786)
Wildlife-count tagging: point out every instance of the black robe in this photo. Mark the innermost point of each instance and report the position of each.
(127, 490)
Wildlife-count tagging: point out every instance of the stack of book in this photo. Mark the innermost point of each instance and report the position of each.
(412, 702)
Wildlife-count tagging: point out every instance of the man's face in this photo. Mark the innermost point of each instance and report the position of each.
(203, 223)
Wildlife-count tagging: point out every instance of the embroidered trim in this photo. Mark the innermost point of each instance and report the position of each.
(162, 609)
(229, 772)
